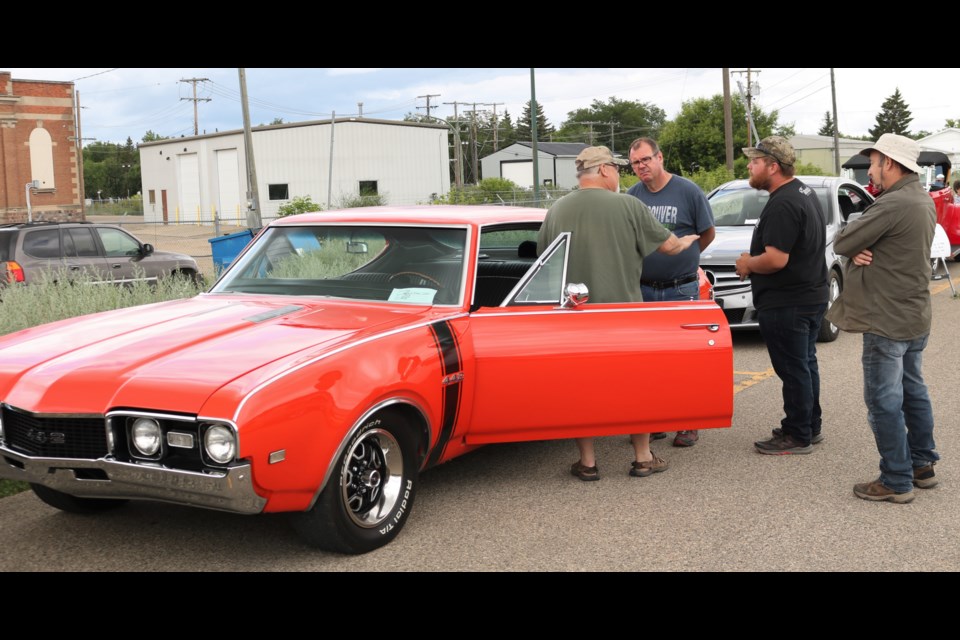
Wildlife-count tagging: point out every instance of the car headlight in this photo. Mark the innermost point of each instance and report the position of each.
(146, 436)
(220, 444)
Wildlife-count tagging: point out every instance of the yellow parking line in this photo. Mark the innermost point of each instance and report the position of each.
(754, 379)
(944, 286)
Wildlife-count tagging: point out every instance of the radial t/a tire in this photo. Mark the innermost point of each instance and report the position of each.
(369, 496)
(829, 331)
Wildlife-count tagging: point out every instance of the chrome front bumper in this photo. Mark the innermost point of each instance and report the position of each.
(231, 490)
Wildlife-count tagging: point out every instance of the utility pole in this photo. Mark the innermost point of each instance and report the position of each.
(473, 144)
(78, 140)
(457, 149)
(195, 99)
(751, 128)
(612, 125)
(428, 96)
(533, 139)
(836, 127)
(591, 123)
(727, 120)
(496, 144)
(253, 195)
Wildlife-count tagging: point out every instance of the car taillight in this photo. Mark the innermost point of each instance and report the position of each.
(14, 272)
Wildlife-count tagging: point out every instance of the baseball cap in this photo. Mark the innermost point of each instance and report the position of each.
(776, 147)
(595, 156)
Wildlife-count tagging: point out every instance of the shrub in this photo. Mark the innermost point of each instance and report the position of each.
(300, 204)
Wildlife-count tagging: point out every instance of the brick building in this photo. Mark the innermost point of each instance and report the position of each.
(38, 142)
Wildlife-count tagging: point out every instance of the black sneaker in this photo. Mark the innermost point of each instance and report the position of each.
(924, 477)
(781, 445)
(816, 439)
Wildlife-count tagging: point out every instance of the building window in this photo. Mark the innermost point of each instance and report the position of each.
(368, 188)
(152, 195)
(41, 157)
(279, 192)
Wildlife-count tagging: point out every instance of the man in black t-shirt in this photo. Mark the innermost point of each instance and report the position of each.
(788, 275)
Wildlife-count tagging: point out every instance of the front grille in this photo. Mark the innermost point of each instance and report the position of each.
(52, 437)
(734, 316)
(727, 281)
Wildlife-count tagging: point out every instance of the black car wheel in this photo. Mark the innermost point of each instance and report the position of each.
(368, 498)
(828, 330)
(73, 504)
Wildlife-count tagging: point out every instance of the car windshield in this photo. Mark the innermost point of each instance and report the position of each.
(411, 265)
(740, 205)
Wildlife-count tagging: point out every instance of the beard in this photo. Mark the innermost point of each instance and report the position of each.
(760, 182)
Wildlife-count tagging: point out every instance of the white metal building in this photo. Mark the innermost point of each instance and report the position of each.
(556, 167)
(189, 179)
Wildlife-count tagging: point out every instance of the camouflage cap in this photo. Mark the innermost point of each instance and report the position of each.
(595, 156)
(776, 147)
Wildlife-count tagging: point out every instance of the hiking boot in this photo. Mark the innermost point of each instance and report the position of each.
(924, 477)
(649, 467)
(878, 491)
(686, 438)
(782, 445)
(816, 439)
(585, 473)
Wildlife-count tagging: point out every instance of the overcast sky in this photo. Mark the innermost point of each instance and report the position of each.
(121, 103)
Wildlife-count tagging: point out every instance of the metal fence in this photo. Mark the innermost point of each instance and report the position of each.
(193, 238)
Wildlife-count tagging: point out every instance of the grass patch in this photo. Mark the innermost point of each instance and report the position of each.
(56, 297)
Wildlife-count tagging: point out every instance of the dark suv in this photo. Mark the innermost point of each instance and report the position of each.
(106, 251)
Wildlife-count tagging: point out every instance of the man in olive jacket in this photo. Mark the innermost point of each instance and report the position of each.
(886, 297)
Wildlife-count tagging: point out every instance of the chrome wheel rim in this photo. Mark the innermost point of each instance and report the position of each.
(834, 294)
(372, 478)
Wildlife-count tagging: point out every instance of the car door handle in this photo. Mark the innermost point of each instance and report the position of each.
(709, 326)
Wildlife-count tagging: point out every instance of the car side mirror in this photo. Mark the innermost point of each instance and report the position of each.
(146, 250)
(574, 295)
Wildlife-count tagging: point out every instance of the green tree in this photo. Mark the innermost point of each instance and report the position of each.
(894, 117)
(544, 128)
(953, 123)
(631, 120)
(694, 139)
(827, 128)
(150, 136)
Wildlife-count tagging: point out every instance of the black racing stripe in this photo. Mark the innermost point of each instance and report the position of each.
(450, 357)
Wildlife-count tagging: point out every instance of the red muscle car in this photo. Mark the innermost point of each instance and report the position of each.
(341, 354)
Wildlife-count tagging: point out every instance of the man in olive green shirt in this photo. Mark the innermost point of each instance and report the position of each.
(610, 234)
(886, 297)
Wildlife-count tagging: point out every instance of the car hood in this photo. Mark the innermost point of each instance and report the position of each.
(174, 355)
(727, 246)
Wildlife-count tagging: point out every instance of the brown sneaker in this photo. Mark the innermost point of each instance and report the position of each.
(782, 445)
(878, 491)
(585, 473)
(686, 438)
(924, 477)
(649, 467)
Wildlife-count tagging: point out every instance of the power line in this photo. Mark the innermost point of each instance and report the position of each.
(100, 73)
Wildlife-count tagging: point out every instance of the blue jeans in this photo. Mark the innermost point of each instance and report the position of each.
(898, 407)
(688, 291)
(791, 337)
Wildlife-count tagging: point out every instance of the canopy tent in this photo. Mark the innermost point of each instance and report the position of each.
(926, 158)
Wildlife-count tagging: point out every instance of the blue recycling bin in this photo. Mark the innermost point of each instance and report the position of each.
(226, 248)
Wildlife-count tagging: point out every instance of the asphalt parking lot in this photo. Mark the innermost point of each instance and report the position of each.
(720, 506)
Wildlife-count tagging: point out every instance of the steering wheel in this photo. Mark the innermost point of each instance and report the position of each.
(417, 274)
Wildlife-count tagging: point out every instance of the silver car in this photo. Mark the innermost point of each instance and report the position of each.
(106, 251)
(736, 207)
